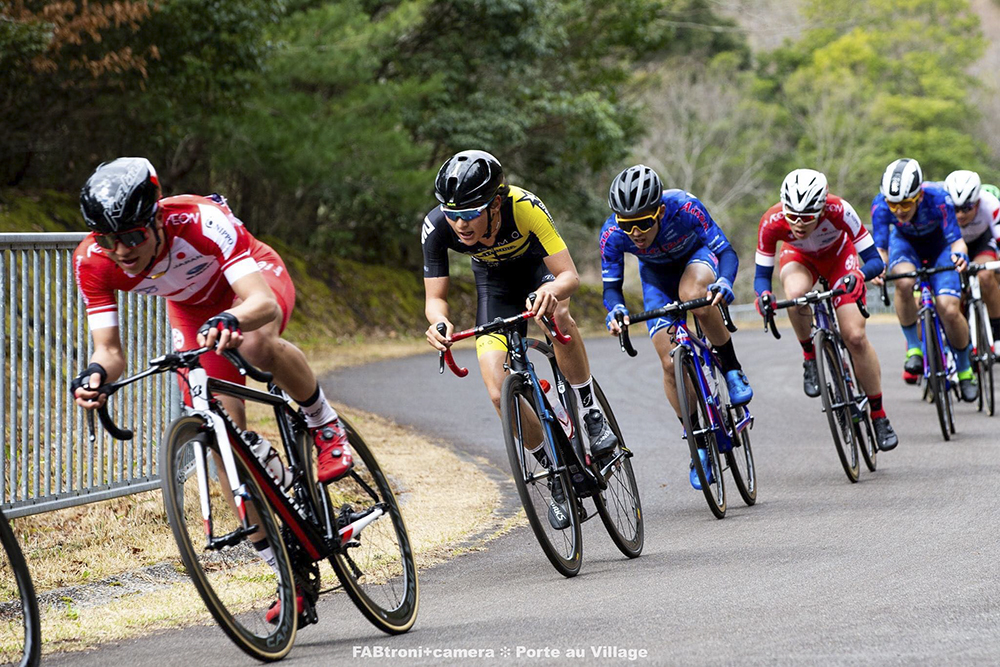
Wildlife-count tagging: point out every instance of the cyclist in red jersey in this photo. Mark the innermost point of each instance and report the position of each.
(821, 236)
(197, 255)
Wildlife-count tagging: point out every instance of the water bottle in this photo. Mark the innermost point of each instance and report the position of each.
(557, 407)
(268, 456)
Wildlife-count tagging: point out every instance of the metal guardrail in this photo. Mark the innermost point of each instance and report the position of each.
(47, 460)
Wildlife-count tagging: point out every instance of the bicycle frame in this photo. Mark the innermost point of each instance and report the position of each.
(947, 357)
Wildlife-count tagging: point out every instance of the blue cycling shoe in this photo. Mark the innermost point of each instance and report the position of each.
(706, 463)
(739, 387)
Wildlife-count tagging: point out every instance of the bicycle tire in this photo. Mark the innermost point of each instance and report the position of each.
(235, 572)
(30, 653)
(837, 403)
(740, 457)
(685, 372)
(865, 433)
(533, 489)
(623, 518)
(378, 570)
(987, 397)
(975, 354)
(938, 383)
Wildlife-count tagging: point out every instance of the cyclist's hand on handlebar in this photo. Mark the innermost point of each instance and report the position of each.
(879, 280)
(436, 339)
(723, 291)
(221, 332)
(87, 398)
(961, 261)
(765, 304)
(611, 321)
(545, 303)
(853, 284)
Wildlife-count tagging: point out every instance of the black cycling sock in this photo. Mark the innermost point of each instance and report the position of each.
(541, 457)
(727, 357)
(995, 326)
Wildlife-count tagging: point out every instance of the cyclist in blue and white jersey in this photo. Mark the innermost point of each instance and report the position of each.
(683, 255)
(914, 225)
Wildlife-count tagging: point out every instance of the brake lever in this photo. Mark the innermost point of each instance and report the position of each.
(623, 339)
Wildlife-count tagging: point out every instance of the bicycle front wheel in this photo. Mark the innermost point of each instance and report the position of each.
(984, 360)
(376, 566)
(21, 630)
(619, 504)
(700, 436)
(938, 381)
(837, 403)
(537, 480)
(237, 585)
(740, 456)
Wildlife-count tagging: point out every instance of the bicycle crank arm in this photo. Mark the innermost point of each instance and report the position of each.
(232, 539)
(353, 529)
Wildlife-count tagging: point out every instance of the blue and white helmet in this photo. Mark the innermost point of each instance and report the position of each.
(963, 187)
(901, 180)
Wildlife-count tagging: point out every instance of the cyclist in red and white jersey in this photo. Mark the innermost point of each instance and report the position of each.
(196, 254)
(978, 213)
(821, 236)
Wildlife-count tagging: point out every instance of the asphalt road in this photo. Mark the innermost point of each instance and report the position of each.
(897, 569)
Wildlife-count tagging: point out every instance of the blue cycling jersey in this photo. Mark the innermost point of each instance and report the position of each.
(686, 226)
(933, 223)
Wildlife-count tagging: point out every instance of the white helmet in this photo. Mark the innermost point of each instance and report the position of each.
(963, 187)
(804, 191)
(901, 180)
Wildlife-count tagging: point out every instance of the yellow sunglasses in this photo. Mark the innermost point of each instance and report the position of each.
(903, 205)
(643, 222)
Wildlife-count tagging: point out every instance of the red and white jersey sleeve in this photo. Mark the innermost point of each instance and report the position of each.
(840, 222)
(207, 250)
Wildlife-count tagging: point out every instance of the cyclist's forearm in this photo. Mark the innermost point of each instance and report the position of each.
(111, 358)
(960, 246)
(762, 279)
(436, 310)
(873, 263)
(613, 294)
(256, 311)
(565, 284)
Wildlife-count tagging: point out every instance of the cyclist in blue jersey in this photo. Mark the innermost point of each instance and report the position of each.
(683, 255)
(914, 225)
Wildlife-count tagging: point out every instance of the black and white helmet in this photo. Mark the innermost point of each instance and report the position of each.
(963, 187)
(635, 191)
(804, 192)
(469, 179)
(121, 194)
(901, 180)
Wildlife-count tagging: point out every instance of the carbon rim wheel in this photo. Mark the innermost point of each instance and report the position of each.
(837, 403)
(690, 399)
(740, 457)
(563, 547)
(619, 505)
(938, 383)
(985, 355)
(865, 433)
(20, 626)
(238, 587)
(376, 567)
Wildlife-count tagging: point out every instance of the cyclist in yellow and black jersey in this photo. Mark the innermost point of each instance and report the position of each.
(515, 250)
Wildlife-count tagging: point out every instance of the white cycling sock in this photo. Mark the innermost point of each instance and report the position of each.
(317, 410)
(585, 399)
(266, 554)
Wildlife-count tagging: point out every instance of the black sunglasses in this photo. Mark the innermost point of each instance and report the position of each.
(130, 238)
(966, 207)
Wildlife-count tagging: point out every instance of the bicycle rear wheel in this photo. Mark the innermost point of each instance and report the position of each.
(619, 504)
(20, 626)
(692, 401)
(519, 414)
(238, 587)
(376, 566)
(938, 380)
(837, 402)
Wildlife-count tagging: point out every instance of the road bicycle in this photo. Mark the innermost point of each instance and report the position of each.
(844, 399)
(981, 333)
(560, 472)
(939, 360)
(22, 635)
(220, 496)
(721, 428)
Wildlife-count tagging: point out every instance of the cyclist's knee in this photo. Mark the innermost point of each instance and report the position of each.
(564, 320)
(261, 350)
(905, 285)
(855, 338)
(949, 308)
(988, 280)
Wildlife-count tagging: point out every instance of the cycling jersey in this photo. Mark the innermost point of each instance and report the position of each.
(525, 232)
(685, 227)
(838, 225)
(932, 226)
(986, 217)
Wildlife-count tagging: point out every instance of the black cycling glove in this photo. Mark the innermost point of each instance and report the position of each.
(84, 377)
(223, 322)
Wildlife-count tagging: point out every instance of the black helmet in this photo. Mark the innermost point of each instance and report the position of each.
(121, 194)
(635, 191)
(469, 179)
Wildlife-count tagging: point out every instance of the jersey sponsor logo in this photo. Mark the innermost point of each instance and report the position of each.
(152, 289)
(185, 218)
(218, 228)
(606, 235)
(695, 210)
(198, 269)
(178, 338)
(426, 230)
